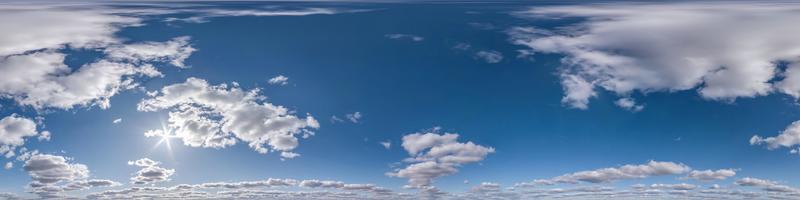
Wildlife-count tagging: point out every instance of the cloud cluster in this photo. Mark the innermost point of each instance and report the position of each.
(217, 116)
(711, 175)
(435, 155)
(723, 51)
(14, 129)
(52, 175)
(32, 58)
(150, 172)
(652, 168)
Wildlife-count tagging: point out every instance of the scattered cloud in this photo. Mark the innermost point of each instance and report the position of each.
(728, 51)
(489, 56)
(52, 175)
(150, 172)
(434, 155)
(709, 175)
(117, 121)
(387, 144)
(32, 56)
(605, 175)
(216, 116)
(279, 80)
(628, 103)
(354, 117)
(400, 36)
(14, 129)
(789, 138)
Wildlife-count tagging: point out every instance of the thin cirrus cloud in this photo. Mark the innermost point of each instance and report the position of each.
(725, 51)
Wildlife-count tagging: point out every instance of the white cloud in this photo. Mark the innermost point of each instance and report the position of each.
(14, 129)
(788, 138)
(8, 165)
(174, 51)
(629, 104)
(44, 28)
(400, 36)
(489, 56)
(32, 56)
(767, 185)
(204, 115)
(150, 172)
(387, 144)
(52, 175)
(435, 155)
(709, 175)
(604, 175)
(279, 80)
(354, 117)
(726, 51)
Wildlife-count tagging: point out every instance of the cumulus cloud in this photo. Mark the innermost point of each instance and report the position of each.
(767, 185)
(14, 129)
(723, 51)
(604, 175)
(435, 155)
(117, 121)
(150, 172)
(489, 56)
(32, 56)
(53, 175)
(279, 80)
(400, 36)
(711, 175)
(217, 116)
(788, 138)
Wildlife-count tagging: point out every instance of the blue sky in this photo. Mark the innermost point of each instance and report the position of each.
(338, 100)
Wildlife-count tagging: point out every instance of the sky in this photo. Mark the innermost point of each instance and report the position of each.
(399, 100)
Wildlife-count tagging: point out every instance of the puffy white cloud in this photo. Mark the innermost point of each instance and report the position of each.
(711, 175)
(8, 165)
(204, 115)
(48, 169)
(725, 51)
(279, 80)
(400, 36)
(629, 104)
(435, 155)
(679, 186)
(150, 172)
(52, 175)
(32, 58)
(652, 168)
(14, 129)
(788, 138)
(489, 56)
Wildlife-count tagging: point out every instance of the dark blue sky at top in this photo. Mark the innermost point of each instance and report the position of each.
(343, 63)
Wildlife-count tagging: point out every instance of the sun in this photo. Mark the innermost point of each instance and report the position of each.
(166, 134)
